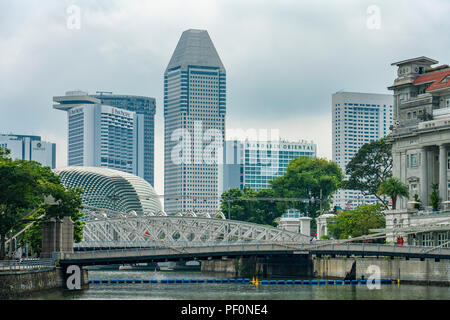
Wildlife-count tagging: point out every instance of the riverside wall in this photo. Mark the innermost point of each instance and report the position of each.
(264, 267)
(426, 271)
(21, 283)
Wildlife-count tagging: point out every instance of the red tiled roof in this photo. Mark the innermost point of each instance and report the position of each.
(436, 78)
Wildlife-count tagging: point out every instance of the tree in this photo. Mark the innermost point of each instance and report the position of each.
(251, 210)
(70, 203)
(308, 178)
(369, 167)
(394, 188)
(357, 222)
(418, 204)
(23, 187)
(239, 209)
(435, 200)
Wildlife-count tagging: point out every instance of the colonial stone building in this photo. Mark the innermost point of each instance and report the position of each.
(421, 147)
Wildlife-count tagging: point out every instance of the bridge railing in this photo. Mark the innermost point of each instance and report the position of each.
(369, 249)
(381, 248)
(110, 245)
(107, 245)
(25, 264)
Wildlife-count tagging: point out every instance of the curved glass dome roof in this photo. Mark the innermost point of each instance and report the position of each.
(111, 189)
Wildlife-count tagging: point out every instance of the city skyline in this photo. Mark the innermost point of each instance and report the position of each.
(126, 64)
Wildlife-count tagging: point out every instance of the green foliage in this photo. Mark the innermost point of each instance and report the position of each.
(308, 178)
(357, 222)
(394, 188)
(33, 235)
(304, 178)
(23, 187)
(69, 207)
(325, 237)
(369, 167)
(417, 199)
(261, 212)
(435, 200)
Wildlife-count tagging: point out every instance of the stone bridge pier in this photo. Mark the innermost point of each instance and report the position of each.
(57, 237)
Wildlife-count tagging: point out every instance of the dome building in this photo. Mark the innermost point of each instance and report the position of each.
(111, 189)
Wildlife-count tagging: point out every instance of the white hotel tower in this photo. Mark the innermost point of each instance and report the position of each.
(102, 136)
(358, 118)
(194, 103)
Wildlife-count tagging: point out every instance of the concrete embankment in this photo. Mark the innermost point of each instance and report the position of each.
(265, 267)
(428, 271)
(20, 283)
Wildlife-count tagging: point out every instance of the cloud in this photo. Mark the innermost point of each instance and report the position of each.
(284, 59)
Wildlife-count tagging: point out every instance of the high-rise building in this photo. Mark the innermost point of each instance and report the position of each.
(254, 163)
(194, 118)
(357, 118)
(29, 148)
(101, 135)
(140, 105)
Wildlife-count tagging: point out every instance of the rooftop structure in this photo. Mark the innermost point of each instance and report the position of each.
(111, 189)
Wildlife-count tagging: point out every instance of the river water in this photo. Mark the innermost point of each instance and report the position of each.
(232, 291)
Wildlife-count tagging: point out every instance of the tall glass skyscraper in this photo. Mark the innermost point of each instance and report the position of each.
(140, 105)
(357, 118)
(194, 118)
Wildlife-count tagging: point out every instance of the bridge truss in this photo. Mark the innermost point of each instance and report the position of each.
(109, 229)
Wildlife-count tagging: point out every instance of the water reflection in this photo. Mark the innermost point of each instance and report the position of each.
(232, 291)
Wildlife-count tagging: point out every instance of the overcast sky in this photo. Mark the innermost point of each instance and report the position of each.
(284, 59)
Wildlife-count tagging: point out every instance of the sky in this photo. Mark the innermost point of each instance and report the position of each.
(284, 59)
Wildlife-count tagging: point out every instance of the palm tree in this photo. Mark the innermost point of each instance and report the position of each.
(394, 188)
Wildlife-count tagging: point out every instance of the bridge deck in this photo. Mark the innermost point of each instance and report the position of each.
(135, 255)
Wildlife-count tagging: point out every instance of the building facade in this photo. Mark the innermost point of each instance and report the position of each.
(292, 220)
(421, 148)
(30, 148)
(357, 119)
(194, 118)
(254, 163)
(101, 135)
(140, 105)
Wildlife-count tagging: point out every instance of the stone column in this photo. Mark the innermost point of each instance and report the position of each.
(305, 226)
(424, 177)
(396, 165)
(67, 235)
(50, 238)
(443, 172)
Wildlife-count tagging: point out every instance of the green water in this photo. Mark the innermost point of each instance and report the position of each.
(232, 291)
